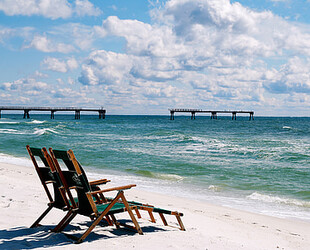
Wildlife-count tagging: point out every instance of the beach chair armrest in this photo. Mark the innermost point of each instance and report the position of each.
(49, 182)
(99, 182)
(113, 189)
(75, 187)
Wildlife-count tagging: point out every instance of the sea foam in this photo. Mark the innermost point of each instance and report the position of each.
(287, 127)
(20, 161)
(279, 200)
(36, 122)
(7, 122)
(11, 131)
(44, 131)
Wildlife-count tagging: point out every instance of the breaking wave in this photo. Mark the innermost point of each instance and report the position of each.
(275, 199)
(7, 122)
(11, 131)
(36, 122)
(43, 131)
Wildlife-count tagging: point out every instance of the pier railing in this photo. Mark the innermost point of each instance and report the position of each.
(77, 110)
(212, 112)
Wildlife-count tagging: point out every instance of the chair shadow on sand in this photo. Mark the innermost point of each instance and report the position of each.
(30, 238)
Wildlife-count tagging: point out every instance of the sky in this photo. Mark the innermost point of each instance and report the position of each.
(144, 57)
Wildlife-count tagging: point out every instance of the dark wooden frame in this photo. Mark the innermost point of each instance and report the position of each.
(93, 199)
(48, 176)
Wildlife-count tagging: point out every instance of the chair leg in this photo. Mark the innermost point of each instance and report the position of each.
(133, 218)
(64, 222)
(116, 223)
(36, 223)
(151, 216)
(97, 221)
(163, 219)
(180, 222)
(138, 213)
(109, 220)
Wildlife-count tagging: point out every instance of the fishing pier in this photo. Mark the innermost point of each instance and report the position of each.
(212, 112)
(77, 111)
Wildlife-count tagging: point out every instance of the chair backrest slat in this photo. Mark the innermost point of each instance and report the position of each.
(61, 175)
(76, 177)
(46, 175)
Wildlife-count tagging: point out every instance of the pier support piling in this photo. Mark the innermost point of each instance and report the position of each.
(251, 116)
(26, 114)
(171, 115)
(193, 117)
(213, 115)
(234, 116)
(101, 114)
(52, 114)
(77, 114)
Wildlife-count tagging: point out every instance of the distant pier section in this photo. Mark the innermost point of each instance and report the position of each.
(77, 111)
(212, 112)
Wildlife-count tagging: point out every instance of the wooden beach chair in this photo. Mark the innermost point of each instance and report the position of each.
(70, 160)
(90, 203)
(48, 176)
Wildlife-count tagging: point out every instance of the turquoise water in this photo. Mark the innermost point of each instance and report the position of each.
(261, 165)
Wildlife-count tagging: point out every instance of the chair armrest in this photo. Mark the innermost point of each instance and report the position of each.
(75, 187)
(99, 182)
(113, 189)
(49, 182)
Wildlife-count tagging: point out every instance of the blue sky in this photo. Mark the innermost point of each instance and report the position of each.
(143, 57)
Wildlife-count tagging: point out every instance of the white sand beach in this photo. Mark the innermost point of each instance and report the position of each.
(208, 226)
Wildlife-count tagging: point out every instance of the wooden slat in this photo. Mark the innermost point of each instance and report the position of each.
(133, 218)
(163, 219)
(151, 216)
(98, 182)
(114, 189)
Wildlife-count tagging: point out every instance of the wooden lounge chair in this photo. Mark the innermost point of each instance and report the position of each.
(90, 203)
(47, 176)
(70, 160)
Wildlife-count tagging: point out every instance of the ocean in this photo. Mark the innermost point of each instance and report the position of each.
(261, 166)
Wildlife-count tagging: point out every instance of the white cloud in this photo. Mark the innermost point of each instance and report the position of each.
(64, 38)
(57, 65)
(37, 75)
(293, 77)
(33, 93)
(195, 53)
(5, 95)
(24, 84)
(72, 63)
(214, 50)
(104, 67)
(82, 36)
(42, 43)
(86, 8)
(52, 9)
(144, 39)
(78, 35)
(5, 33)
(24, 90)
(113, 7)
(49, 8)
(71, 81)
(8, 33)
